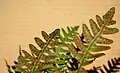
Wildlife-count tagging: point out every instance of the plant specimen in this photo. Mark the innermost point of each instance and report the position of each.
(64, 51)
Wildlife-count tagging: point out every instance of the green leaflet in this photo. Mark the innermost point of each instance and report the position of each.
(68, 37)
(74, 52)
(34, 50)
(98, 48)
(39, 42)
(45, 35)
(28, 56)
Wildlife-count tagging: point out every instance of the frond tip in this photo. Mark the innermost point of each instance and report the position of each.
(8, 67)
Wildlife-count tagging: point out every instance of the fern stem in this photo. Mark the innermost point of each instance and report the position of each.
(40, 54)
(89, 46)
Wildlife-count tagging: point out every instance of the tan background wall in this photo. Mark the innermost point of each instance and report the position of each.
(22, 20)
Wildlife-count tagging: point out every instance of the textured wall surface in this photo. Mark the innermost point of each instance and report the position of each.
(22, 20)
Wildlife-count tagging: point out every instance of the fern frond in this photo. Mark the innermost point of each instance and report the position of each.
(48, 55)
(44, 59)
(31, 63)
(113, 67)
(9, 67)
(95, 38)
(43, 47)
(62, 42)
